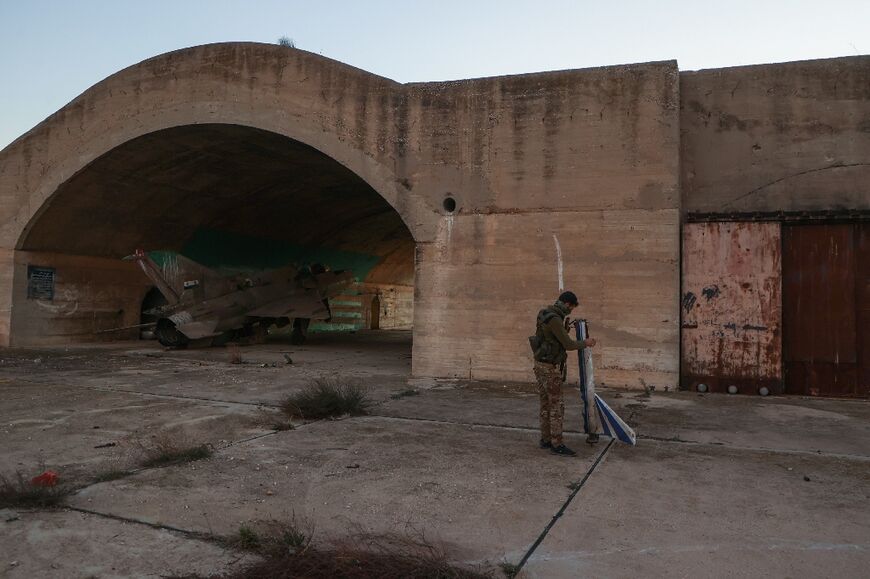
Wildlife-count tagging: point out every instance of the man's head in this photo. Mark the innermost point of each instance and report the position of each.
(569, 299)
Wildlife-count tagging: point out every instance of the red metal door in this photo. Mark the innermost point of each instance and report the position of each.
(862, 297)
(820, 309)
(731, 307)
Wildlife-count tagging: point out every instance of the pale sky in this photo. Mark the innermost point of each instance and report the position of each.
(53, 50)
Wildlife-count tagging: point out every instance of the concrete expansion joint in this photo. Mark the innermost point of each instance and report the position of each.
(216, 449)
(179, 397)
(564, 507)
(675, 440)
(458, 423)
(161, 527)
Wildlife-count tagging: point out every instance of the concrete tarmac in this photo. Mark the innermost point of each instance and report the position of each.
(718, 485)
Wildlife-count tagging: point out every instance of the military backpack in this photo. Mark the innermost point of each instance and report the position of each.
(545, 347)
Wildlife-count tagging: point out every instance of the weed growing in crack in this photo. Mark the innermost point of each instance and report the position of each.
(509, 569)
(168, 448)
(272, 420)
(177, 456)
(20, 492)
(274, 537)
(326, 398)
(110, 475)
(294, 539)
(248, 538)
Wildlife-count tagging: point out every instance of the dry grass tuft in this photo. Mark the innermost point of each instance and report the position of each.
(110, 475)
(168, 448)
(327, 398)
(360, 557)
(21, 493)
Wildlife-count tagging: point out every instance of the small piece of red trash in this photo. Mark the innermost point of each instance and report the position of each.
(46, 479)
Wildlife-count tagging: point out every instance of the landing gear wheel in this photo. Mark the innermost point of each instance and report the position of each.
(168, 335)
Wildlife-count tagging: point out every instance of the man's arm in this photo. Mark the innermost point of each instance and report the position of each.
(555, 325)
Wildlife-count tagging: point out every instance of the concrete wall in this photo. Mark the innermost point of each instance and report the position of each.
(7, 271)
(588, 158)
(777, 137)
(91, 294)
(585, 159)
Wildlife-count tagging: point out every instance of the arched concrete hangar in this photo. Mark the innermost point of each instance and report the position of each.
(462, 205)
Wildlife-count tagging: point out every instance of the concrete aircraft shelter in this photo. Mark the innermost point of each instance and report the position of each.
(462, 205)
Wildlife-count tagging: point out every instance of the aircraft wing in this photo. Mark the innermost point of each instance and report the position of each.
(195, 328)
(293, 306)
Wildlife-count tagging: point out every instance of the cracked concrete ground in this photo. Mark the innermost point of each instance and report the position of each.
(717, 485)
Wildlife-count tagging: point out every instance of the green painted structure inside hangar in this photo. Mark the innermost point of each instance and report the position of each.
(231, 253)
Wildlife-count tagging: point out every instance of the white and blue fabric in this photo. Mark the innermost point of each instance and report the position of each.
(601, 420)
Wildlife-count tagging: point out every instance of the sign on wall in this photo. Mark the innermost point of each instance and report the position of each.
(40, 282)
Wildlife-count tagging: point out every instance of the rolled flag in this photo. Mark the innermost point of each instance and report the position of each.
(603, 420)
(612, 425)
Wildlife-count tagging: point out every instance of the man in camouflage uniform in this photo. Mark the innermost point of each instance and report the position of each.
(550, 346)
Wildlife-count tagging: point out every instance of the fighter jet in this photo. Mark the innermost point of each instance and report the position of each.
(204, 307)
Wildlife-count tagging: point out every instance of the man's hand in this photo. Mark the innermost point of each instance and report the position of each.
(590, 342)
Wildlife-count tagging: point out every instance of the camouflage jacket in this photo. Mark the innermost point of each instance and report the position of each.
(552, 337)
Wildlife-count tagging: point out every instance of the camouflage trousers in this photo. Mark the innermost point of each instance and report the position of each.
(549, 377)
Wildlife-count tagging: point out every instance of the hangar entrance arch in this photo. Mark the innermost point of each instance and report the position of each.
(230, 197)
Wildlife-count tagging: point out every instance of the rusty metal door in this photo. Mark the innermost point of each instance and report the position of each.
(731, 300)
(824, 297)
(862, 293)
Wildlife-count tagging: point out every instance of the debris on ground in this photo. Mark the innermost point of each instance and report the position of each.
(47, 479)
(8, 515)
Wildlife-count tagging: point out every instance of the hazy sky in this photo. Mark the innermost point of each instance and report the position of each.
(51, 51)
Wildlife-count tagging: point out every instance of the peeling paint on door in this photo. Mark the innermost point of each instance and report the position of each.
(731, 307)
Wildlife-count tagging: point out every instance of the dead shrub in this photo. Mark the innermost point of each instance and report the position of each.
(359, 557)
(274, 538)
(326, 398)
(20, 492)
(168, 448)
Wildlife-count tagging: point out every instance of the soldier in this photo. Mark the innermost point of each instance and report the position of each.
(549, 345)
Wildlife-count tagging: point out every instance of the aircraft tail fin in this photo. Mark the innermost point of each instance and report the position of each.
(155, 275)
(178, 274)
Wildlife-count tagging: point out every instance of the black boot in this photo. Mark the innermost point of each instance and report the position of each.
(592, 439)
(545, 444)
(563, 450)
